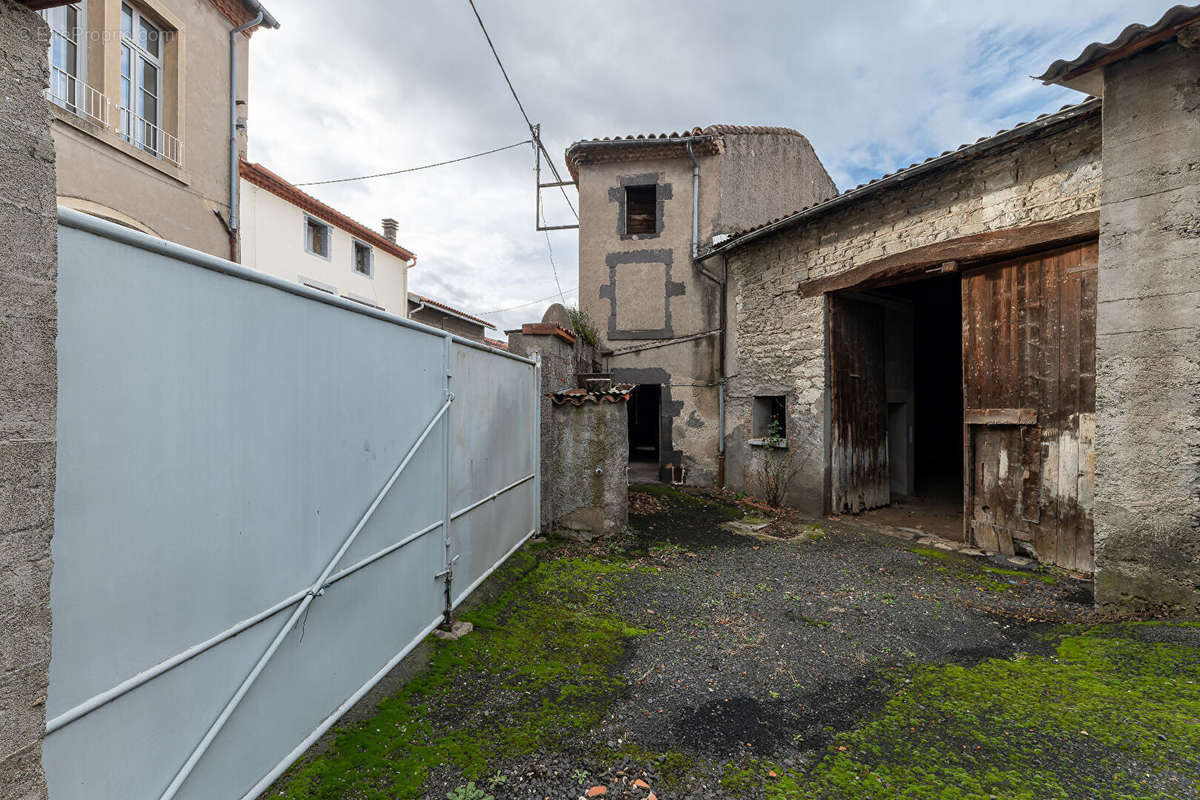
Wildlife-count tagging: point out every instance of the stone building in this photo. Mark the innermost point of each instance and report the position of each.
(1010, 331)
(148, 104)
(647, 204)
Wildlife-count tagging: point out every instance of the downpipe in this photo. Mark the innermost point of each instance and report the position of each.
(234, 218)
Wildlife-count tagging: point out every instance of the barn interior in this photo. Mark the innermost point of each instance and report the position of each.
(922, 346)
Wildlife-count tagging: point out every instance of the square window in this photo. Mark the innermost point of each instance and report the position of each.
(641, 210)
(362, 258)
(316, 237)
(770, 417)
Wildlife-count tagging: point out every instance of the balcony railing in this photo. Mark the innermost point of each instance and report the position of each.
(79, 98)
(76, 96)
(150, 137)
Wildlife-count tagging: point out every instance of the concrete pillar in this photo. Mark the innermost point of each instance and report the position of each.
(28, 394)
(1147, 508)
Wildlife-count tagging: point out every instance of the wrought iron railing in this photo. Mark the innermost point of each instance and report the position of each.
(76, 96)
(149, 137)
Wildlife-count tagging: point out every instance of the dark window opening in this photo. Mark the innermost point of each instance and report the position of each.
(641, 210)
(770, 417)
(645, 406)
(362, 258)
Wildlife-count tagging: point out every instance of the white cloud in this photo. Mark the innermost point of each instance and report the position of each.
(374, 86)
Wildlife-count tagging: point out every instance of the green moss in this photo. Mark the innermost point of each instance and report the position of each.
(992, 579)
(543, 657)
(1100, 718)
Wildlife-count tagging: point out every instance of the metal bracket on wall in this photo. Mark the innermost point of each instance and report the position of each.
(560, 184)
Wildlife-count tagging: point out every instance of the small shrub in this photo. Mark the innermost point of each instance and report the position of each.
(583, 325)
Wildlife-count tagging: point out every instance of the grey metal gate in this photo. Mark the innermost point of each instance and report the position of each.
(266, 497)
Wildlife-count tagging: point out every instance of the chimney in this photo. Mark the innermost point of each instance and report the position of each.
(390, 227)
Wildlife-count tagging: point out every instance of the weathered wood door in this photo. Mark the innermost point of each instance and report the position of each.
(1029, 355)
(859, 445)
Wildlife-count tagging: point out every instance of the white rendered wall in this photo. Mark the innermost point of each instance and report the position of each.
(273, 242)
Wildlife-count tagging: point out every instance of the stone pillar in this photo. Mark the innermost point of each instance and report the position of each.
(564, 355)
(28, 396)
(1147, 508)
(589, 493)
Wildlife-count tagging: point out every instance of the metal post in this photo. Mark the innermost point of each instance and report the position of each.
(537, 442)
(448, 561)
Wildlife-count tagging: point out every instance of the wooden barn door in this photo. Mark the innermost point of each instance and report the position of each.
(858, 395)
(1029, 356)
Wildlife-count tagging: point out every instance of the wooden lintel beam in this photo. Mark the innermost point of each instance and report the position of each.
(1001, 416)
(953, 255)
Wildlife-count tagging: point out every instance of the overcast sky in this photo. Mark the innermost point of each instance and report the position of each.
(380, 85)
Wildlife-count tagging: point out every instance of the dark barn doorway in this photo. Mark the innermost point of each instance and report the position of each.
(645, 410)
(897, 395)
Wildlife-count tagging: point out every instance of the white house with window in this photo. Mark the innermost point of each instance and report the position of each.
(288, 233)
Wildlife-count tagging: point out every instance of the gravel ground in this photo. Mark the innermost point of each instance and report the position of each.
(765, 648)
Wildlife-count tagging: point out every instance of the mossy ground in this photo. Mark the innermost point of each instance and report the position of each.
(1111, 714)
(538, 670)
(991, 579)
(1104, 712)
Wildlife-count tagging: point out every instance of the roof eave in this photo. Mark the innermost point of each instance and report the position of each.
(933, 164)
(1080, 73)
(450, 312)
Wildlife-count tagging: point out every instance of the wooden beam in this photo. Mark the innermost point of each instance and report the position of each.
(948, 256)
(1001, 416)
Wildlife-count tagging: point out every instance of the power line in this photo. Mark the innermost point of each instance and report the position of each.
(529, 303)
(537, 139)
(553, 266)
(416, 169)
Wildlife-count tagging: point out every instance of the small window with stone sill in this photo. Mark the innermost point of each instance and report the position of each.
(769, 422)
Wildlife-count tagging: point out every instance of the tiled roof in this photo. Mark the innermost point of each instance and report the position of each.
(667, 145)
(495, 343)
(450, 310)
(618, 393)
(1135, 37)
(266, 179)
(964, 152)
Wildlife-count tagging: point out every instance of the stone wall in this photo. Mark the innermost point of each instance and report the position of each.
(28, 394)
(589, 493)
(776, 340)
(562, 361)
(1148, 333)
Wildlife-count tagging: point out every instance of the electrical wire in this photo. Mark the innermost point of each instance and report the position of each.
(416, 169)
(537, 139)
(529, 303)
(553, 266)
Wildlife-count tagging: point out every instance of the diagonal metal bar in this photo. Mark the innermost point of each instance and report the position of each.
(314, 590)
(147, 675)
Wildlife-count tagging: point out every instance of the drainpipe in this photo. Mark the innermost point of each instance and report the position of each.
(234, 221)
(695, 201)
(721, 379)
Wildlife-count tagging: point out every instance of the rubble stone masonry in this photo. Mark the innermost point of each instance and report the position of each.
(28, 393)
(776, 339)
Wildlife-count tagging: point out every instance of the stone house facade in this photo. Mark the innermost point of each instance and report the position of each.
(1012, 326)
(142, 112)
(647, 204)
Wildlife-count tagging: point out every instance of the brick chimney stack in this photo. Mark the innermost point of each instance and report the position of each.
(390, 226)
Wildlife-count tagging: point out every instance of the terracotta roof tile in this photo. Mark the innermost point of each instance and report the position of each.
(266, 179)
(442, 306)
(619, 393)
(668, 145)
